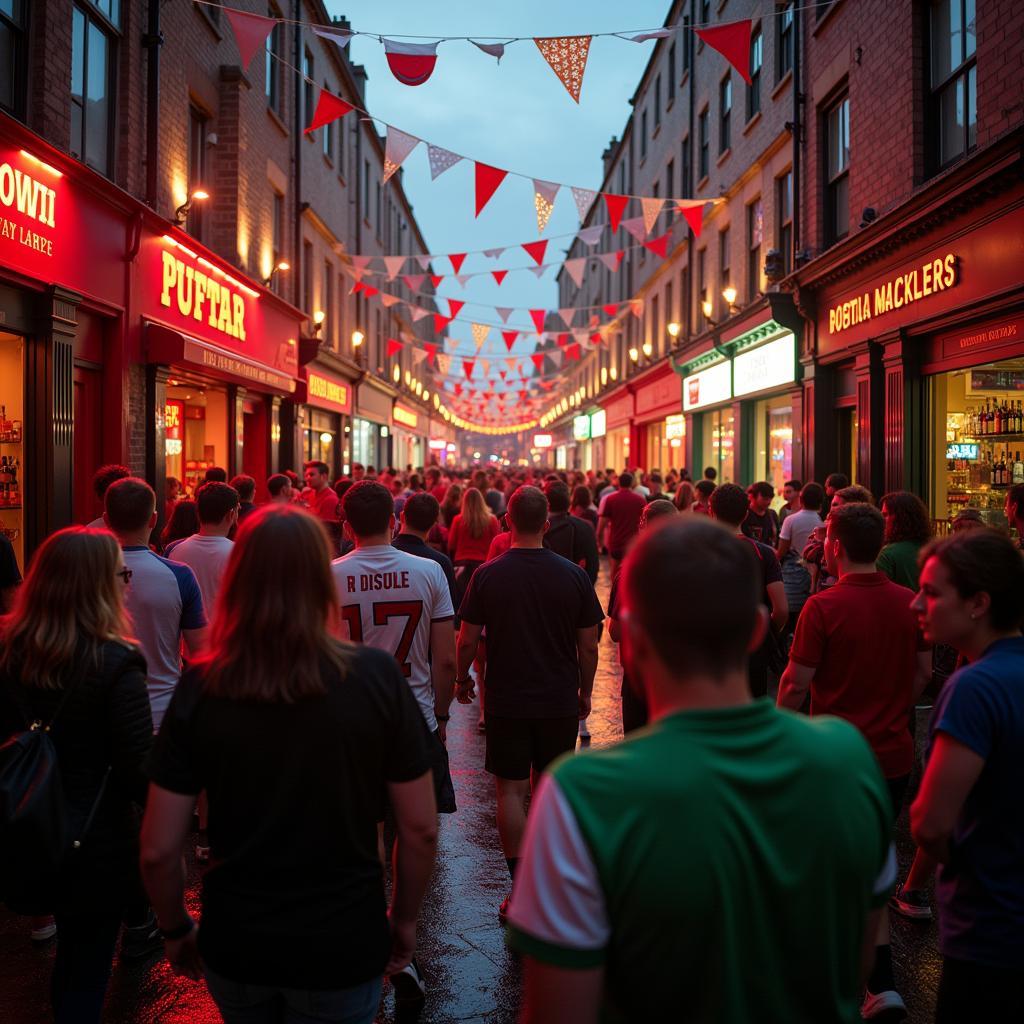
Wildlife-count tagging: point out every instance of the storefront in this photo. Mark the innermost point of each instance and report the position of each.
(409, 445)
(658, 416)
(707, 394)
(598, 440)
(324, 400)
(618, 410)
(371, 424)
(581, 436)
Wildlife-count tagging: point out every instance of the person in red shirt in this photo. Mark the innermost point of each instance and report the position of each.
(704, 489)
(620, 514)
(318, 495)
(858, 649)
(469, 538)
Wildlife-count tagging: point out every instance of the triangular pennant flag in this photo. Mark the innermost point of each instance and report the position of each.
(658, 33)
(574, 268)
(394, 264)
(492, 49)
(536, 250)
(328, 108)
(485, 366)
(369, 292)
(430, 351)
(487, 181)
(458, 389)
(418, 355)
(509, 337)
(542, 338)
(537, 272)
(556, 356)
(357, 288)
(616, 206)
(457, 259)
(440, 160)
(567, 56)
(504, 312)
(611, 260)
(503, 374)
(596, 338)
(659, 245)
(694, 217)
(610, 309)
(463, 279)
(454, 307)
(440, 322)
(423, 259)
(635, 227)
(467, 366)
(480, 332)
(636, 307)
(410, 63)
(414, 281)
(443, 363)
(652, 209)
(732, 41)
(591, 235)
(538, 316)
(341, 37)
(561, 340)
(499, 275)
(418, 313)
(251, 31)
(436, 279)
(544, 193)
(397, 147)
(451, 344)
(567, 315)
(387, 301)
(538, 360)
(493, 253)
(394, 346)
(573, 351)
(583, 197)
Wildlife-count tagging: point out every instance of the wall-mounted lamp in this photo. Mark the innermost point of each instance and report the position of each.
(318, 321)
(729, 294)
(707, 309)
(674, 329)
(280, 265)
(357, 338)
(634, 355)
(182, 212)
(648, 349)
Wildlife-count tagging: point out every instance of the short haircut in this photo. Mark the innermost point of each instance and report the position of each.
(655, 477)
(860, 529)
(368, 508)
(694, 637)
(277, 483)
(129, 504)
(837, 481)
(705, 488)
(657, 509)
(528, 510)
(710, 473)
(105, 476)
(855, 493)
(341, 487)
(558, 496)
(245, 485)
(812, 496)
(730, 504)
(762, 489)
(216, 475)
(795, 484)
(421, 511)
(320, 467)
(214, 501)
(984, 561)
(626, 481)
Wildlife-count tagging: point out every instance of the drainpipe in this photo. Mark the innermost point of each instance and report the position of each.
(798, 130)
(297, 276)
(152, 41)
(690, 248)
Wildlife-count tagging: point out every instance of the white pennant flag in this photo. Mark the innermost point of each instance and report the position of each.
(584, 198)
(591, 235)
(441, 160)
(611, 260)
(504, 312)
(651, 209)
(443, 363)
(544, 193)
(538, 272)
(567, 315)
(397, 147)
(340, 36)
(463, 279)
(493, 253)
(635, 226)
(394, 265)
(418, 313)
(387, 301)
(424, 260)
(574, 268)
(480, 332)
(418, 355)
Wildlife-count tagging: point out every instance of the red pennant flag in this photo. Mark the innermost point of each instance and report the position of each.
(251, 31)
(454, 305)
(467, 366)
(436, 279)
(616, 207)
(538, 360)
(487, 181)
(413, 281)
(440, 322)
(562, 340)
(538, 316)
(536, 250)
(509, 338)
(499, 275)
(328, 108)
(457, 259)
(431, 351)
(394, 346)
(732, 41)
(694, 217)
(573, 351)
(357, 288)
(659, 245)
(595, 338)
(410, 63)
(611, 309)
(369, 292)
(458, 389)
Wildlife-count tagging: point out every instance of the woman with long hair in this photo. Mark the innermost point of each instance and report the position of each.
(908, 528)
(451, 505)
(583, 505)
(684, 496)
(67, 660)
(969, 810)
(182, 524)
(470, 536)
(296, 738)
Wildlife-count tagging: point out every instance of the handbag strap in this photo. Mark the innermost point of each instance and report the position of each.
(32, 721)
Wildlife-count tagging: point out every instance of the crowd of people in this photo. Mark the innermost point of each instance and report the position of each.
(270, 675)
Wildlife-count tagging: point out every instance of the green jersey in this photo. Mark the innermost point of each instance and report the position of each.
(720, 863)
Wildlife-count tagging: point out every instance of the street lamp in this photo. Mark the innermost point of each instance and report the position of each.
(634, 355)
(729, 294)
(674, 330)
(357, 338)
(706, 308)
(648, 349)
(182, 212)
(281, 265)
(318, 321)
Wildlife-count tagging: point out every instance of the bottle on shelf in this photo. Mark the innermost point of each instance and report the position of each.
(1018, 470)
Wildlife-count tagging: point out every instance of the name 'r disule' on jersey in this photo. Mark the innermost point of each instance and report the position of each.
(377, 581)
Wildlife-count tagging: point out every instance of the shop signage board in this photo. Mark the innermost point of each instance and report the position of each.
(598, 424)
(327, 392)
(658, 396)
(542, 440)
(406, 417)
(767, 366)
(581, 428)
(708, 387)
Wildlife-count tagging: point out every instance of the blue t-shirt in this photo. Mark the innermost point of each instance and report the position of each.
(981, 891)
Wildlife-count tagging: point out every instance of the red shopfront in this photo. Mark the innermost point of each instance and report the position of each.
(659, 425)
(324, 402)
(618, 443)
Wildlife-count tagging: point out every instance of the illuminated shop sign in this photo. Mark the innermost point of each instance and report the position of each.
(174, 418)
(675, 427)
(963, 450)
(767, 366)
(709, 387)
(541, 440)
(581, 428)
(405, 416)
(28, 193)
(598, 423)
(325, 390)
(197, 294)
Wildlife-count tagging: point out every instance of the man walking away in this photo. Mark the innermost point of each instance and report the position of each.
(246, 489)
(419, 514)
(101, 482)
(541, 616)
(568, 536)
(618, 908)
(619, 514)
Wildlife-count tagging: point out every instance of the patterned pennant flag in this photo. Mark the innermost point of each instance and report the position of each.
(583, 197)
(394, 264)
(567, 56)
(410, 63)
(480, 332)
(414, 281)
(251, 31)
(454, 307)
(393, 346)
(616, 206)
(487, 181)
(544, 193)
(509, 337)
(538, 316)
(591, 235)
(536, 250)
(443, 363)
(457, 259)
(328, 108)
(612, 260)
(651, 210)
(574, 268)
(499, 275)
(504, 312)
(567, 315)
(397, 147)
(440, 160)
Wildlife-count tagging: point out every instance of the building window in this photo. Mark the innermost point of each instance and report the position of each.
(377, 211)
(702, 287)
(275, 47)
(685, 168)
(953, 79)
(784, 220)
(705, 144)
(328, 136)
(754, 89)
(705, 12)
(307, 277)
(93, 28)
(277, 237)
(12, 56)
(755, 228)
(725, 114)
(197, 175)
(307, 88)
(331, 334)
(657, 102)
(687, 43)
(670, 180)
(724, 261)
(671, 71)
(784, 43)
(366, 191)
(342, 131)
(837, 171)
(643, 135)
(666, 341)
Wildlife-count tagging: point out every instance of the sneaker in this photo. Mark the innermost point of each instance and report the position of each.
(141, 940)
(44, 931)
(912, 903)
(409, 985)
(503, 911)
(202, 855)
(584, 729)
(885, 1006)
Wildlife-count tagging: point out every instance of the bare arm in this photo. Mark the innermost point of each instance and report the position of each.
(558, 995)
(923, 675)
(442, 667)
(602, 525)
(586, 651)
(952, 771)
(793, 686)
(195, 639)
(780, 606)
(469, 640)
(784, 545)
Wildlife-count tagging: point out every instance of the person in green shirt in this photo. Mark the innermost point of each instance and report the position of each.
(908, 528)
(732, 852)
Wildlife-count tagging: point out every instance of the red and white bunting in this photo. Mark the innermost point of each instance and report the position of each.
(328, 108)
(732, 41)
(417, 313)
(509, 337)
(592, 235)
(387, 301)
(410, 63)
(612, 260)
(567, 57)
(544, 193)
(635, 227)
(440, 160)
(394, 265)
(396, 148)
(567, 314)
(536, 250)
(651, 211)
(538, 316)
(454, 308)
(574, 268)
(414, 281)
(584, 198)
(616, 206)
(504, 312)
(251, 32)
(457, 259)
(694, 217)
(394, 347)
(499, 275)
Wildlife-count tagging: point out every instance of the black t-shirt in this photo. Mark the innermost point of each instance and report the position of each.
(9, 574)
(531, 602)
(294, 895)
(412, 545)
(763, 527)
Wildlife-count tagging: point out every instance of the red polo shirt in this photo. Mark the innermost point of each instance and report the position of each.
(861, 639)
(322, 503)
(622, 509)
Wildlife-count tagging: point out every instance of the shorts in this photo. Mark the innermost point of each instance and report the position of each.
(897, 791)
(515, 745)
(444, 790)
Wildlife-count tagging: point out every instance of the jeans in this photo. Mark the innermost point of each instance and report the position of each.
(241, 1003)
(969, 991)
(81, 968)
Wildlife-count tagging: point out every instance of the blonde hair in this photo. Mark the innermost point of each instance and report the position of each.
(475, 513)
(70, 600)
(275, 611)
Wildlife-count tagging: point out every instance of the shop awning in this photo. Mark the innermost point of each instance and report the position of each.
(173, 348)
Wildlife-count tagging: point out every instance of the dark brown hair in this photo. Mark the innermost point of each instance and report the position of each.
(860, 528)
(910, 518)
